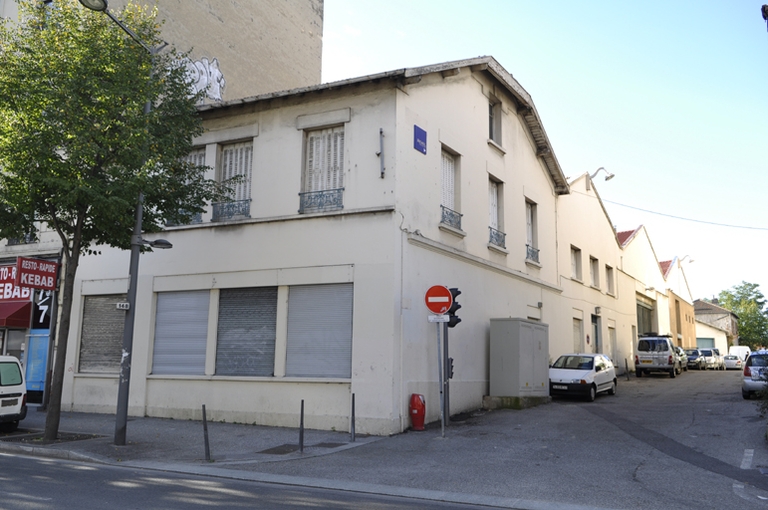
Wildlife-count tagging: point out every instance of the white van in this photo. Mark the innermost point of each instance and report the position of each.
(742, 351)
(13, 393)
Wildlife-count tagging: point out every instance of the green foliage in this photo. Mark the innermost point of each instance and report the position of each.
(748, 303)
(76, 145)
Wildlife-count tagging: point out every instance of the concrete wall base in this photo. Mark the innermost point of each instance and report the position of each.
(491, 403)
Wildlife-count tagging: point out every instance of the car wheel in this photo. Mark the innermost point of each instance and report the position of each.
(592, 393)
(700, 367)
(745, 394)
(673, 373)
(638, 373)
(614, 386)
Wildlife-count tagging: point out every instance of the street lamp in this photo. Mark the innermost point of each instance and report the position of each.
(121, 416)
(591, 176)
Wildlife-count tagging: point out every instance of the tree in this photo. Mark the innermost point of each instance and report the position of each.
(77, 148)
(748, 303)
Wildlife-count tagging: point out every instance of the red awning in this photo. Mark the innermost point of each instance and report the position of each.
(15, 314)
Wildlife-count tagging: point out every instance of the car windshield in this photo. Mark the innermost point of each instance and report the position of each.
(692, 352)
(574, 362)
(652, 345)
(706, 352)
(758, 361)
(731, 357)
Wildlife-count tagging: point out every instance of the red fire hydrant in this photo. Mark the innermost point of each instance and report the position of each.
(418, 411)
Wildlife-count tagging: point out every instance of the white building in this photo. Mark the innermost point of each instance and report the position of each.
(357, 196)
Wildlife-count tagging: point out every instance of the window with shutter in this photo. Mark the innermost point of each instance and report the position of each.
(246, 331)
(101, 339)
(325, 159)
(448, 180)
(319, 331)
(493, 201)
(323, 171)
(236, 160)
(181, 332)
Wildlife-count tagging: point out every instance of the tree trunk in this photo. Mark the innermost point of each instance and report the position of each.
(54, 408)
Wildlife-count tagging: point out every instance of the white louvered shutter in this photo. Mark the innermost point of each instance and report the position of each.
(493, 202)
(325, 160)
(237, 159)
(448, 184)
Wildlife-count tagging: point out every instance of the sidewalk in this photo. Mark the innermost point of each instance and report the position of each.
(474, 463)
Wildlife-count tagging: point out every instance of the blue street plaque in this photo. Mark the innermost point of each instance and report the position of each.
(419, 139)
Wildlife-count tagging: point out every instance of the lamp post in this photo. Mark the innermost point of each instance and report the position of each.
(121, 416)
(591, 176)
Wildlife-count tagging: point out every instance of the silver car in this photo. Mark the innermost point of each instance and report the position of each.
(755, 375)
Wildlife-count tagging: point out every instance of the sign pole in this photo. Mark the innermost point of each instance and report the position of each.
(440, 380)
(446, 380)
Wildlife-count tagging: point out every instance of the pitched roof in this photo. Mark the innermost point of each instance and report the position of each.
(666, 267)
(626, 236)
(526, 110)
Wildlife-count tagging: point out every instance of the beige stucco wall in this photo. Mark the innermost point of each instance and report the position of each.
(387, 241)
(582, 222)
(259, 47)
(704, 330)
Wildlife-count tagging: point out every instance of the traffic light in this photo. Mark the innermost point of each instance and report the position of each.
(453, 319)
(450, 367)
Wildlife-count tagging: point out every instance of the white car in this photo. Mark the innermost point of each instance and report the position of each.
(733, 361)
(13, 393)
(583, 375)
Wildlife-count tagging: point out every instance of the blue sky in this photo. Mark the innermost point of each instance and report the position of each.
(671, 96)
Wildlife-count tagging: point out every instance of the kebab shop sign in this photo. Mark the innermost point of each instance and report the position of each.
(36, 273)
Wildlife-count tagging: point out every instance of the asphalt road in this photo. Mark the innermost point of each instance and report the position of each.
(29, 483)
(689, 442)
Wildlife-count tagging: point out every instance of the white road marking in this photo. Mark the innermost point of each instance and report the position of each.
(746, 462)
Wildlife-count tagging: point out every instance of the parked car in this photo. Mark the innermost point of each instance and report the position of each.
(13, 393)
(733, 362)
(742, 351)
(656, 354)
(719, 359)
(710, 360)
(696, 359)
(583, 375)
(682, 357)
(755, 375)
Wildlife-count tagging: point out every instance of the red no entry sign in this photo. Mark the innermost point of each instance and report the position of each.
(438, 299)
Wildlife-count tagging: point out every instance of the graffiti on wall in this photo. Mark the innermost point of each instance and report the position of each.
(206, 75)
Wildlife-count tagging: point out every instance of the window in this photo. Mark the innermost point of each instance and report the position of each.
(196, 158)
(448, 189)
(319, 331)
(531, 241)
(609, 280)
(494, 120)
(101, 340)
(236, 161)
(181, 331)
(497, 237)
(575, 263)
(246, 332)
(323, 171)
(594, 272)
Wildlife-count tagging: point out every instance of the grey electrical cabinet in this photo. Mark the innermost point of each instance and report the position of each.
(519, 363)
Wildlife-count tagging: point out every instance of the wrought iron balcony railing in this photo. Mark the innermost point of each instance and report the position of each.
(321, 201)
(531, 253)
(450, 217)
(229, 210)
(26, 239)
(194, 219)
(497, 237)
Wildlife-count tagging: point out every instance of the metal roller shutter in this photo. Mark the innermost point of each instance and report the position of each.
(101, 339)
(319, 331)
(246, 331)
(181, 331)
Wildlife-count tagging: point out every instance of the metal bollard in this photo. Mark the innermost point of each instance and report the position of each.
(205, 434)
(352, 425)
(301, 428)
